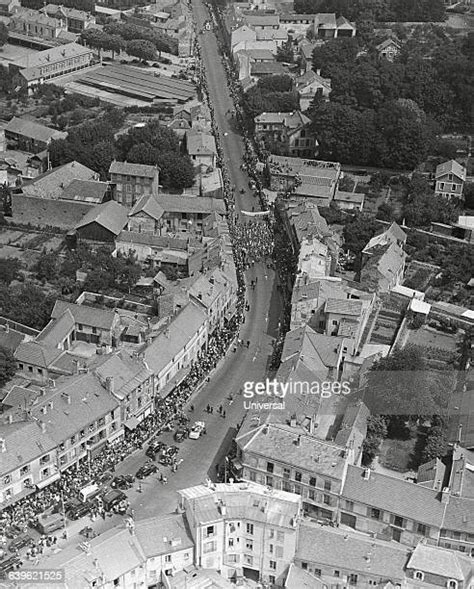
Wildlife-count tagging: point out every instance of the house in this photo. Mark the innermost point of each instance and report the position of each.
(304, 178)
(32, 23)
(130, 381)
(28, 459)
(306, 49)
(76, 20)
(449, 179)
(188, 213)
(103, 222)
(438, 567)
(388, 49)
(243, 33)
(39, 67)
(349, 201)
(30, 136)
(277, 36)
(87, 191)
(133, 181)
(310, 85)
(242, 527)
(90, 324)
(245, 58)
(8, 7)
(269, 45)
(338, 556)
(298, 24)
(390, 508)
(263, 69)
(327, 26)
(286, 133)
(262, 22)
(35, 361)
(202, 150)
(52, 183)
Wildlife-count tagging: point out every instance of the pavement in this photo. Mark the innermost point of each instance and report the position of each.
(260, 327)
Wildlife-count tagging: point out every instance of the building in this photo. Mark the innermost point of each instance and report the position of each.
(132, 181)
(202, 150)
(40, 67)
(243, 529)
(27, 457)
(327, 26)
(388, 49)
(76, 20)
(309, 85)
(438, 567)
(103, 222)
(263, 22)
(32, 23)
(449, 179)
(286, 133)
(88, 191)
(338, 556)
(51, 184)
(9, 7)
(30, 136)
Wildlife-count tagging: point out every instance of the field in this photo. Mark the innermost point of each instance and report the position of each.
(26, 245)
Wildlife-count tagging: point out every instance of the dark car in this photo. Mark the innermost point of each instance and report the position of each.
(154, 448)
(88, 533)
(181, 434)
(77, 511)
(19, 542)
(9, 564)
(146, 470)
(113, 498)
(13, 531)
(123, 481)
(105, 477)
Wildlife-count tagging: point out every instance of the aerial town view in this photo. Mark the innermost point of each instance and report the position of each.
(237, 294)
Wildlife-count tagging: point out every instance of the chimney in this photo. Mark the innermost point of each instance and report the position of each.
(445, 495)
(366, 474)
(293, 420)
(10, 418)
(298, 441)
(3, 446)
(109, 384)
(43, 426)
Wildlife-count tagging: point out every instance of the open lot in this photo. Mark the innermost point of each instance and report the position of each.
(26, 245)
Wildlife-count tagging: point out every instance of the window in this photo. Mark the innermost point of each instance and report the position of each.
(270, 467)
(45, 473)
(269, 481)
(7, 479)
(317, 572)
(167, 557)
(452, 584)
(337, 574)
(327, 499)
(270, 548)
(419, 576)
(422, 529)
(327, 485)
(311, 495)
(210, 547)
(231, 542)
(298, 477)
(286, 473)
(24, 470)
(40, 371)
(352, 579)
(80, 327)
(350, 505)
(30, 368)
(273, 565)
(272, 579)
(20, 366)
(249, 545)
(375, 513)
(312, 481)
(280, 537)
(399, 521)
(249, 529)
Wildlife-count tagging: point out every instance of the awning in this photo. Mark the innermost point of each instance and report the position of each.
(52, 479)
(174, 382)
(131, 423)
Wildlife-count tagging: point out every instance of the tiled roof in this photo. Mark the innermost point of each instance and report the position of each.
(51, 184)
(130, 169)
(10, 339)
(459, 515)
(43, 212)
(179, 333)
(91, 316)
(33, 130)
(355, 553)
(200, 143)
(36, 59)
(298, 578)
(394, 495)
(127, 373)
(24, 442)
(451, 167)
(267, 67)
(110, 215)
(291, 120)
(163, 535)
(262, 20)
(280, 442)
(305, 168)
(148, 204)
(85, 191)
(325, 20)
(441, 562)
(57, 329)
(344, 307)
(88, 402)
(172, 203)
(37, 354)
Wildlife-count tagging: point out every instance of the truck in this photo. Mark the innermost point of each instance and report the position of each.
(50, 523)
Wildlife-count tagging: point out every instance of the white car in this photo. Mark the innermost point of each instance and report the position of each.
(197, 430)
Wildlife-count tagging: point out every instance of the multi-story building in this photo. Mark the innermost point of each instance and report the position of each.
(449, 179)
(76, 20)
(36, 24)
(132, 181)
(8, 7)
(243, 529)
(28, 459)
(201, 148)
(430, 566)
(327, 26)
(39, 67)
(286, 133)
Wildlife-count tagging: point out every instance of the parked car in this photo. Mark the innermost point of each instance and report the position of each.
(75, 512)
(154, 448)
(197, 430)
(13, 531)
(88, 533)
(181, 434)
(123, 481)
(113, 498)
(50, 523)
(9, 564)
(19, 542)
(146, 470)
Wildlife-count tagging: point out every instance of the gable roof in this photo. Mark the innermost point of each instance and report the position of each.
(24, 441)
(110, 215)
(261, 68)
(89, 191)
(394, 495)
(163, 535)
(200, 143)
(441, 562)
(291, 120)
(309, 78)
(172, 203)
(91, 316)
(264, 20)
(57, 329)
(33, 130)
(127, 372)
(36, 59)
(149, 205)
(37, 354)
(451, 167)
(388, 43)
(130, 169)
(51, 184)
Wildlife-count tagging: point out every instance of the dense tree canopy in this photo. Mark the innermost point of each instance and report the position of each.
(7, 365)
(9, 269)
(421, 206)
(131, 32)
(26, 303)
(271, 94)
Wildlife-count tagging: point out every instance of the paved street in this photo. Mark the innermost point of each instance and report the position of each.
(260, 327)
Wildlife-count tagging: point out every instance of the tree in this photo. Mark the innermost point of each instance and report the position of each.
(285, 53)
(358, 232)
(7, 365)
(436, 443)
(275, 83)
(336, 53)
(144, 50)
(421, 206)
(9, 269)
(95, 38)
(176, 172)
(114, 43)
(103, 154)
(47, 266)
(3, 34)
(468, 193)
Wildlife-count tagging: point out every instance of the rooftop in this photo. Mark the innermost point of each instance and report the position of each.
(51, 184)
(291, 120)
(110, 215)
(88, 191)
(441, 562)
(33, 130)
(83, 314)
(127, 373)
(149, 205)
(451, 167)
(129, 169)
(36, 59)
(24, 441)
(163, 535)
(344, 307)
(172, 203)
(200, 143)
